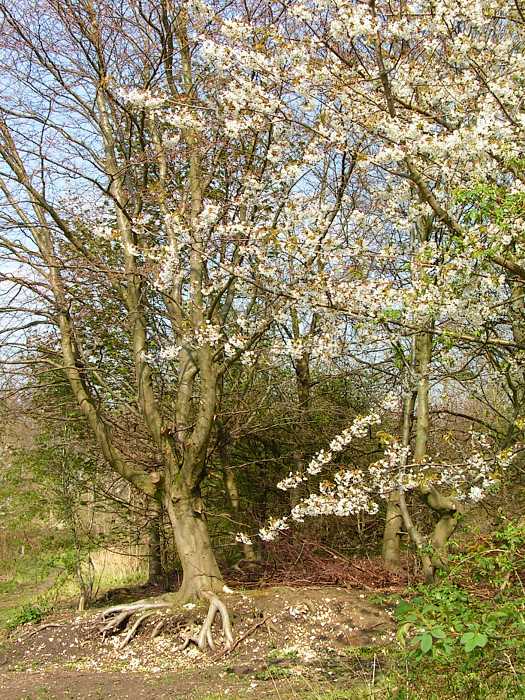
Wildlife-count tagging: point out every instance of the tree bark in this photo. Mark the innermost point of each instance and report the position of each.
(394, 515)
(391, 534)
(423, 357)
(155, 572)
(230, 483)
(445, 507)
(200, 571)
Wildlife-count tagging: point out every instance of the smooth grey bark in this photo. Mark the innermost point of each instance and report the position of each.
(200, 570)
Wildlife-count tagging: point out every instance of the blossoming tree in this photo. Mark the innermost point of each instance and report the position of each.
(133, 184)
(430, 96)
(203, 178)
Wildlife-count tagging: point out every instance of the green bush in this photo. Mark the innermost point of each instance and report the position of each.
(469, 628)
(30, 612)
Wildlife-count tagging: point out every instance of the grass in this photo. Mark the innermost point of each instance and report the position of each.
(37, 581)
(378, 690)
(114, 569)
(274, 673)
(281, 654)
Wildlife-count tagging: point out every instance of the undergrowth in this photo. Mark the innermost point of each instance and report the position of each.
(465, 636)
(44, 577)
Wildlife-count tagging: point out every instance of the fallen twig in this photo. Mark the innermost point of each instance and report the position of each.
(39, 629)
(248, 632)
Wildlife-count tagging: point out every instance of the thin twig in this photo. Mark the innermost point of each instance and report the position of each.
(39, 629)
(242, 637)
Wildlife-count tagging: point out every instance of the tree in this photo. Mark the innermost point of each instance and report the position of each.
(371, 71)
(187, 188)
(134, 199)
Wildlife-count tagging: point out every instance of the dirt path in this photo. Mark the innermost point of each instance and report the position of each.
(312, 640)
(76, 684)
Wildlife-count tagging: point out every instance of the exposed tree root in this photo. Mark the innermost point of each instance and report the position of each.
(158, 628)
(119, 615)
(204, 639)
(133, 630)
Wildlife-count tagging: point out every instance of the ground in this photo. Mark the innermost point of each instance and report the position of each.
(310, 642)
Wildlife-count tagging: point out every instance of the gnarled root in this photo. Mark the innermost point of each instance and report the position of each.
(204, 639)
(158, 628)
(133, 630)
(118, 615)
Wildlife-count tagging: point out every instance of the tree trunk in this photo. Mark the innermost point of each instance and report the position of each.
(155, 573)
(423, 358)
(418, 540)
(233, 494)
(443, 531)
(394, 516)
(200, 571)
(303, 384)
(445, 507)
(391, 537)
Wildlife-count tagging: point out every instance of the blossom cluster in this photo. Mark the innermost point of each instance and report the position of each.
(353, 490)
(358, 429)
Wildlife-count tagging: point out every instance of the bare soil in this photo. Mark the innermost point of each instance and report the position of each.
(292, 640)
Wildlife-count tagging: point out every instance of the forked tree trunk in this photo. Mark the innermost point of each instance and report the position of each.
(444, 506)
(423, 356)
(195, 411)
(200, 571)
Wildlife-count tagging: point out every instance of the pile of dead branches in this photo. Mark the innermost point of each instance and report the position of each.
(306, 563)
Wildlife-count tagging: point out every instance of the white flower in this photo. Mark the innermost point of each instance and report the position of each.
(475, 494)
(141, 99)
(269, 533)
(243, 538)
(170, 353)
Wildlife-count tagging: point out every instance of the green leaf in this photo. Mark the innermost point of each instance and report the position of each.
(438, 633)
(472, 640)
(426, 643)
(402, 608)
